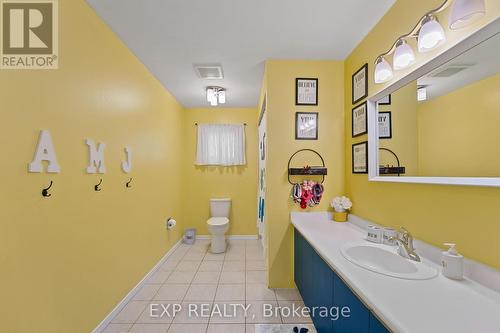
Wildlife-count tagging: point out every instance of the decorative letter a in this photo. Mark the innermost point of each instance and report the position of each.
(44, 152)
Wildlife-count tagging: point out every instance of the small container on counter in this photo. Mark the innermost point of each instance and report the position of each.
(374, 234)
(453, 263)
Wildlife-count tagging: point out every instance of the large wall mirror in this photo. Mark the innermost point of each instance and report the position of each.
(441, 123)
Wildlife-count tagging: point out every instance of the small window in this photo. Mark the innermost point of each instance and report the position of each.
(221, 145)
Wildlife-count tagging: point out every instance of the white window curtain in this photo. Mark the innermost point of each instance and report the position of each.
(221, 144)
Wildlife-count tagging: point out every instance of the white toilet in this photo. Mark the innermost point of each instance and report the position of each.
(219, 223)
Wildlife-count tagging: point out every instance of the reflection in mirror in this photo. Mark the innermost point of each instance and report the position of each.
(446, 123)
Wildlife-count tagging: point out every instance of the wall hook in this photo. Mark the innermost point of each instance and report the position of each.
(45, 191)
(127, 184)
(96, 187)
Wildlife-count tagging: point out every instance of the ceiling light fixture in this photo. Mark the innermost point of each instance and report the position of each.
(383, 71)
(403, 55)
(421, 93)
(464, 12)
(429, 34)
(216, 95)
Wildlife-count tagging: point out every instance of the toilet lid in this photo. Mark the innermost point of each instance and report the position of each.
(217, 220)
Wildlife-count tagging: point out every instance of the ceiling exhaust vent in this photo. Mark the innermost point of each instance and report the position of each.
(209, 72)
(450, 70)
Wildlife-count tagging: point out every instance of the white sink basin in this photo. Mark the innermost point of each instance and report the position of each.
(385, 260)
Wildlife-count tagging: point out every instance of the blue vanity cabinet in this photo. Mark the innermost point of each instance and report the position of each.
(320, 286)
(306, 267)
(297, 258)
(376, 326)
(359, 316)
(323, 293)
(313, 278)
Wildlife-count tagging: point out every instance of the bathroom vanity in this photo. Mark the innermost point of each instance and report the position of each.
(320, 286)
(377, 302)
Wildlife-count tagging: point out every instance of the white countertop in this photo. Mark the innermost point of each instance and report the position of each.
(421, 306)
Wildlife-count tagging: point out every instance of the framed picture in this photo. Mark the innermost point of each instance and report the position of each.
(385, 100)
(360, 84)
(359, 120)
(384, 125)
(360, 157)
(306, 91)
(306, 126)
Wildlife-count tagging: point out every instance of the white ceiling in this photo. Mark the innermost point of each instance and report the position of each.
(169, 36)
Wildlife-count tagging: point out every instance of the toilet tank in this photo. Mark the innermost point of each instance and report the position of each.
(220, 207)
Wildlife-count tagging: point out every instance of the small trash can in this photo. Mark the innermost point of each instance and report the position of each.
(189, 236)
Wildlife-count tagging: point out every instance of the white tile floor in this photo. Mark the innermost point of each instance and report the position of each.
(193, 275)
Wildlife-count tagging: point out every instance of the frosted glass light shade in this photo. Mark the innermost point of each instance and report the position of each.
(210, 94)
(431, 35)
(222, 96)
(403, 55)
(421, 94)
(383, 71)
(464, 12)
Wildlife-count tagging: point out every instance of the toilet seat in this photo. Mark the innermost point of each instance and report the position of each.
(218, 220)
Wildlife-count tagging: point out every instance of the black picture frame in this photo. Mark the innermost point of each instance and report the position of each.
(297, 115)
(366, 158)
(365, 69)
(364, 104)
(297, 80)
(386, 103)
(390, 124)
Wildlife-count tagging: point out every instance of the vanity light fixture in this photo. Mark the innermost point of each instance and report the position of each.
(216, 95)
(383, 71)
(464, 12)
(431, 34)
(403, 55)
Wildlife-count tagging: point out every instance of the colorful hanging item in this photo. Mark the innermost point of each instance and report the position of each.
(307, 194)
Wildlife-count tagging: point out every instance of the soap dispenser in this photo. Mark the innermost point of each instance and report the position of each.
(453, 263)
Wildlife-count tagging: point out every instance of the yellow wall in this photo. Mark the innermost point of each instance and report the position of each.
(457, 132)
(280, 88)
(67, 260)
(404, 141)
(204, 182)
(434, 213)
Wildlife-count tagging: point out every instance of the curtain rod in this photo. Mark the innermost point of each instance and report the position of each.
(244, 124)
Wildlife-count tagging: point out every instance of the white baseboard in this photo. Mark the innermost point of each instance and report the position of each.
(249, 237)
(134, 291)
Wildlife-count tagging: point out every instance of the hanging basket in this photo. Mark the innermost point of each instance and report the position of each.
(308, 170)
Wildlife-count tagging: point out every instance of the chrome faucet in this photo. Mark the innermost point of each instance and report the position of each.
(405, 243)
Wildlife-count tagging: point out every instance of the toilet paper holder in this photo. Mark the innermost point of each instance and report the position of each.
(170, 223)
